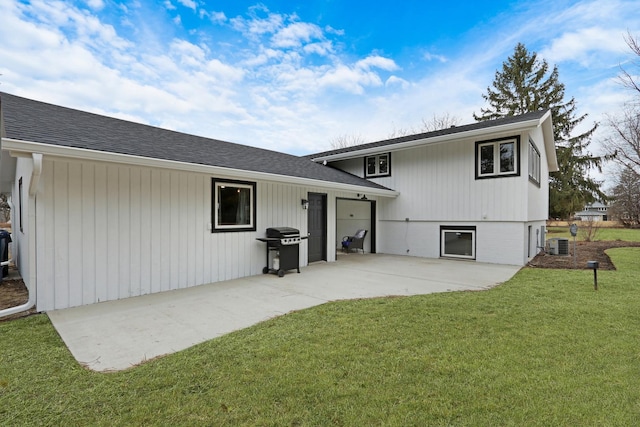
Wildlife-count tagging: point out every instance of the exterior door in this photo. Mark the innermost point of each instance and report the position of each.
(317, 227)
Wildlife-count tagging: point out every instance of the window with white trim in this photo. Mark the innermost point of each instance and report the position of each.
(498, 157)
(233, 205)
(534, 163)
(378, 165)
(458, 242)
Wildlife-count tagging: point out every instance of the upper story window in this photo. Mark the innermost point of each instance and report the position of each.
(534, 163)
(498, 157)
(233, 206)
(378, 165)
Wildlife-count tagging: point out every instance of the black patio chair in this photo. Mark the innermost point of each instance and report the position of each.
(354, 242)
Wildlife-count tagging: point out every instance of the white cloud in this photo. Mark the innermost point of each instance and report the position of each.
(95, 4)
(581, 45)
(397, 81)
(376, 61)
(217, 17)
(431, 56)
(293, 35)
(188, 3)
(256, 26)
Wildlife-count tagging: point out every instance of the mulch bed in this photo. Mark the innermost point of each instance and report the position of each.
(13, 291)
(585, 251)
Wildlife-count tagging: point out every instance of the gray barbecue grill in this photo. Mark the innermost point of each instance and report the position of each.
(283, 250)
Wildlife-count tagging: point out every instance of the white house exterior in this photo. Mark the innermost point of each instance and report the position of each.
(105, 209)
(445, 198)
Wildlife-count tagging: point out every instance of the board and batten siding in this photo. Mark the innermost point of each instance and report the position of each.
(109, 231)
(438, 187)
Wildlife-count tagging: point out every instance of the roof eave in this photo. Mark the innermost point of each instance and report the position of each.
(517, 126)
(549, 141)
(19, 148)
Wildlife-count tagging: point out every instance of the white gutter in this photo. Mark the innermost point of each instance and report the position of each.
(33, 187)
(518, 126)
(31, 302)
(18, 148)
(35, 175)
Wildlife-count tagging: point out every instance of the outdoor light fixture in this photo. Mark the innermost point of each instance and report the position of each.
(304, 203)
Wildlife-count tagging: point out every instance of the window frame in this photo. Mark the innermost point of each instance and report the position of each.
(377, 158)
(496, 144)
(216, 184)
(534, 163)
(458, 229)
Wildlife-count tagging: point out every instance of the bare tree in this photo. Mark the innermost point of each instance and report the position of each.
(443, 121)
(625, 199)
(436, 122)
(624, 143)
(627, 77)
(344, 141)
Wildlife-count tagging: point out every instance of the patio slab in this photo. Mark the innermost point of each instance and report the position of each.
(117, 335)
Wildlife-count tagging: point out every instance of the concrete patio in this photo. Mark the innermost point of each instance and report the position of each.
(117, 335)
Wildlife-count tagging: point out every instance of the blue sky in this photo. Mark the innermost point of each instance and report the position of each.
(293, 77)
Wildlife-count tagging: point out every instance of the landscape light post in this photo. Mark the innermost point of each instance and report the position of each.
(573, 229)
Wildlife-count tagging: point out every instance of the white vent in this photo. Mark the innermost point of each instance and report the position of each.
(558, 246)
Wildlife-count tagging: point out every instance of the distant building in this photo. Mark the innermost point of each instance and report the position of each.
(596, 211)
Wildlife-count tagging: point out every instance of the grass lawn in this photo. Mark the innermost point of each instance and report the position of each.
(542, 349)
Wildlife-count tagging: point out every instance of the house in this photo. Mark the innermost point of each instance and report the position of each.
(477, 192)
(597, 211)
(105, 209)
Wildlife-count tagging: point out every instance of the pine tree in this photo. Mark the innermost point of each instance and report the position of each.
(525, 85)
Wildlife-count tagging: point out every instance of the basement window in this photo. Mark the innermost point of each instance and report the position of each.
(458, 242)
(378, 165)
(233, 206)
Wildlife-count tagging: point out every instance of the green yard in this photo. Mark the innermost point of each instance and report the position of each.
(542, 349)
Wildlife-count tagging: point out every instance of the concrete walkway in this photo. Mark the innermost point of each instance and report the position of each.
(116, 335)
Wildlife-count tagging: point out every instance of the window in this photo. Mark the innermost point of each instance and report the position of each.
(534, 163)
(379, 165)
(498, 158)
(234, 206)
(458, 242)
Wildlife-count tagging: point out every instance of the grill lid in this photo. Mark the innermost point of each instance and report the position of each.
(281, 232)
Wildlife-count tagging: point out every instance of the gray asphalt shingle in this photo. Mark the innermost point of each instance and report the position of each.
(35, 121)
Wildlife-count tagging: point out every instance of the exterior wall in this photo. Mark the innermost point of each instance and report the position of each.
(538, 196)
(108, 231)
(438, 187)
(496, 242)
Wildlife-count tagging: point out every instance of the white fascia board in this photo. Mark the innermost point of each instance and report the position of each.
(19, 148)
(511, 127)
(549, 141)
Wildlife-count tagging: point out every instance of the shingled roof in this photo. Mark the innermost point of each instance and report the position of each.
(40, 122)
(389, 143)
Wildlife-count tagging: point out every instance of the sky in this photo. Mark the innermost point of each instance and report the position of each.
(295, 76)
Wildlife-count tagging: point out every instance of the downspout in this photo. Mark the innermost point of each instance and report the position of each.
(33, 187)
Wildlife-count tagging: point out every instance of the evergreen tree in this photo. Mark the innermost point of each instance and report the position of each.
(525, 85)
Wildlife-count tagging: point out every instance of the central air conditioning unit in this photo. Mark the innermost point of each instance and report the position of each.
(558, 246)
